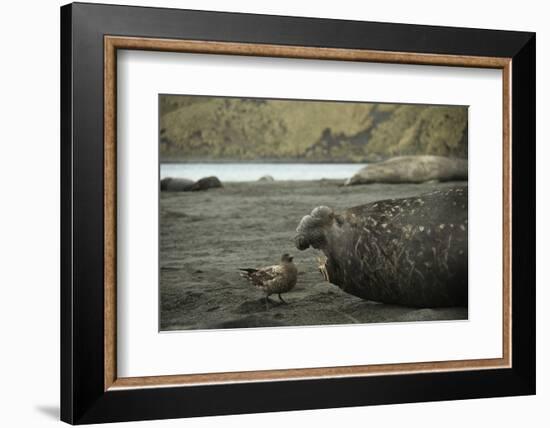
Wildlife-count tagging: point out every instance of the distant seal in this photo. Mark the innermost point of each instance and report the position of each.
(412, 169)
(170, 184)
(411, 251)
(207, 183)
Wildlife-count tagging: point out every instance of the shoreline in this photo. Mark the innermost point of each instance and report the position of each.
(231, 172)
(264, 161)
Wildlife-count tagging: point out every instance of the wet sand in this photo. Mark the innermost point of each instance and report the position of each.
(205, 236)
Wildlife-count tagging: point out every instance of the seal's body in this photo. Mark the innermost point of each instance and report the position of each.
(412, 169)
(411, 251)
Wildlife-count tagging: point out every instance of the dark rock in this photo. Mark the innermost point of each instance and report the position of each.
(266, 178)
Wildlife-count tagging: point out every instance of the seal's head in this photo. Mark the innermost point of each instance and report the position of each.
(312, 228)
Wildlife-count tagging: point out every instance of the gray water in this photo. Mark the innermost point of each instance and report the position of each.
(231, 172)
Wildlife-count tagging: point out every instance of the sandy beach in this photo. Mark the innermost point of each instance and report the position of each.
(206, 236)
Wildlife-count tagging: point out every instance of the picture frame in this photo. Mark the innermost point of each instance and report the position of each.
(91, 35)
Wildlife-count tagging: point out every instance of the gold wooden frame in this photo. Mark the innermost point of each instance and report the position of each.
(113, 43)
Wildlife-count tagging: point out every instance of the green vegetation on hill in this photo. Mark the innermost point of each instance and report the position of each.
(194, 128)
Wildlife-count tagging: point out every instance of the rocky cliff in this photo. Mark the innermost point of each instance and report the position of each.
(194, 128)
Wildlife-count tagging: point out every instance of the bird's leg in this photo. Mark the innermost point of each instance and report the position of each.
(282, 300)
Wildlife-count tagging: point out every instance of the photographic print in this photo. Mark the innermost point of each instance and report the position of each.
(282, 212)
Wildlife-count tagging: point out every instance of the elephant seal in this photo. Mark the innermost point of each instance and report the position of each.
(412, 169)
(170, 184)
(411, 251)
(207, 183)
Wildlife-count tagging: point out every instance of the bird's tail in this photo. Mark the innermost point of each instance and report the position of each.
(246, 272)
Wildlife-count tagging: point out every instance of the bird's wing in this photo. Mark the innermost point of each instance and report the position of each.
(266, 274)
